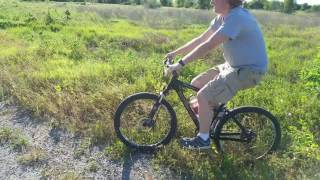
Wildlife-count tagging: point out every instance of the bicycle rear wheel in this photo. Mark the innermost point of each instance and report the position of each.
(136, 128)
(249, 132)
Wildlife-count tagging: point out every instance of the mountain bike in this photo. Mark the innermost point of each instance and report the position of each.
(147, 121)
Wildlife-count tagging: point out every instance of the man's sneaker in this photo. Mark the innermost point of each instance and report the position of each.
(196, 143)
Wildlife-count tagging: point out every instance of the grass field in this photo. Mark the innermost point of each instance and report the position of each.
(72, 64)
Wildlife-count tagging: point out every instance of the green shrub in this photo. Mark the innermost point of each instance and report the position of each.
(311, 74)
(152, 4)
(33, 157)
(4, 23)
(16, 140)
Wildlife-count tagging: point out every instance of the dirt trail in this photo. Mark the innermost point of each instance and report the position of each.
(60, 159)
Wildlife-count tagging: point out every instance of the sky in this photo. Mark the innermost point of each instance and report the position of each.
(312, 2)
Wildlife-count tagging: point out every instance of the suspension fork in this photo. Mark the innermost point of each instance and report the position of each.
(155, 107)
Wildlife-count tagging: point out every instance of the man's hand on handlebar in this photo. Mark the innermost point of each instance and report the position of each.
(170, 67)
(170, 56)
(176, 67)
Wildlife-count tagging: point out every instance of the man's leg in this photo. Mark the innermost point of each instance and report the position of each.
(203, 78)
(211, 95)
(205, 112)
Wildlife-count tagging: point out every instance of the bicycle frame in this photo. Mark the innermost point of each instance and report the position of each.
(238, 131)
(179, 86)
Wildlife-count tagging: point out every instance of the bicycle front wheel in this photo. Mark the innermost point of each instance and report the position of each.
(249, 132)
(143, 124)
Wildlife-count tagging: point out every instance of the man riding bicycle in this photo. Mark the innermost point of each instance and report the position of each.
(246, 62)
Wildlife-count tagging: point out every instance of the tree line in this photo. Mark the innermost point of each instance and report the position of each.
(287, 6)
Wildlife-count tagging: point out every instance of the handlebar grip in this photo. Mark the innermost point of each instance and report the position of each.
(168, 62)
(175, 74)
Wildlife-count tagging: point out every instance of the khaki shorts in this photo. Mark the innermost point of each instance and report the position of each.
(219, 84)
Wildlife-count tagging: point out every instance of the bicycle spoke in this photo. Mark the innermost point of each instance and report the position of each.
(251, 134)
(136, 115)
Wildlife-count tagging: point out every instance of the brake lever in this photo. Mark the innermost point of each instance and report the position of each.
(168, 62)
(165, 61)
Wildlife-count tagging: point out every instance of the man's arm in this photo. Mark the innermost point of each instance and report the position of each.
(203, 49)
(194, 43)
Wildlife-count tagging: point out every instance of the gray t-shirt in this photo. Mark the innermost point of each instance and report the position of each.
(245, 47)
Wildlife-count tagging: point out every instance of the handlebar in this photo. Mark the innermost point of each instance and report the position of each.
(168, 61)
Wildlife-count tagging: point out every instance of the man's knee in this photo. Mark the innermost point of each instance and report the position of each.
(202, 98)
